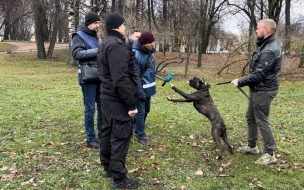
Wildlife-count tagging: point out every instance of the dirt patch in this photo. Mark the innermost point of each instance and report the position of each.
(31, 46)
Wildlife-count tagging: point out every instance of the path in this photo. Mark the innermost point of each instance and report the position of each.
(31, 46)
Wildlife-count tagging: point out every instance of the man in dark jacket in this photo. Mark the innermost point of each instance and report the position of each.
(118, 88)
(144, 66)
(84, 48)
(263, 81)
(132, 37)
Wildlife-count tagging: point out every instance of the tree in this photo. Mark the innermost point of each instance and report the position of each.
(287, 27)
(13, 13)
(39, 14)
(55, 29)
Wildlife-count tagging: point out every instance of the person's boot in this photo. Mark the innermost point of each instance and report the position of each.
(125, 184)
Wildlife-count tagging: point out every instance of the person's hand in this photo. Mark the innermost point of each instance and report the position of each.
(235, 82)
(132, 113)
(143, 99)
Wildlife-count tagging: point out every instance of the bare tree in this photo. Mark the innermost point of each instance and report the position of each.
(39, 13)
(13, 12)
(55, 29)
(287, 27)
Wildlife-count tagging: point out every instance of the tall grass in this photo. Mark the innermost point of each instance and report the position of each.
(43, 147)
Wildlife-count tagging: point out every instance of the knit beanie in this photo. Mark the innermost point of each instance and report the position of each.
(114, 20)
(91, 17)
(146, 37)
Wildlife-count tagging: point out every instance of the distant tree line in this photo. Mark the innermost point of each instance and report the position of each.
(193, 25)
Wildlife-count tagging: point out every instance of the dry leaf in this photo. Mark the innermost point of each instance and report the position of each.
(221, 169)
(194, 144)
(183, 187)
(30, 181)
(199, 173)
(226, 165)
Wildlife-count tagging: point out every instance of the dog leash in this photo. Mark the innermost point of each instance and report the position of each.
(240, 89)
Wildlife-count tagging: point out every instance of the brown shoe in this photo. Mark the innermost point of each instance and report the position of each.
(135, 133)
(144, 142)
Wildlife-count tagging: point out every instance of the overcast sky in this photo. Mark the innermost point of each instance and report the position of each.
(234, 23)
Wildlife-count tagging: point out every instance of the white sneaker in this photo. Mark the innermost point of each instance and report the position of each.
(266, 159)
(249, 150)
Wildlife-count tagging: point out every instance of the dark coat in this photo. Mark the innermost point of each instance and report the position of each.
(82, 51)
(116, 70)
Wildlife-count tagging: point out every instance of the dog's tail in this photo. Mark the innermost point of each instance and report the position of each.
(225, 139)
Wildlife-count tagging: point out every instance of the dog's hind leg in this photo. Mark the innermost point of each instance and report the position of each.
(217, 139)
(225, 139)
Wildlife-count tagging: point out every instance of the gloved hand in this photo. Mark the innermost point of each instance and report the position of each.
(143, 99)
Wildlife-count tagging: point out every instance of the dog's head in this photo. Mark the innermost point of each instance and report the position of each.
(198, 83)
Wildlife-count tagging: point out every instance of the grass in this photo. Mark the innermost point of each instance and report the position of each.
(42, 134)
(4, 47)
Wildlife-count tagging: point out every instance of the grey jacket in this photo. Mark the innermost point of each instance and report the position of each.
(265, 67)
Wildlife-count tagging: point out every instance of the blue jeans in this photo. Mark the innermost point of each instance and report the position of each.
(140, 118)
(91, 95)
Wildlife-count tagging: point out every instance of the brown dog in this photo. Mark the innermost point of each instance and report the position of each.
(204, 104)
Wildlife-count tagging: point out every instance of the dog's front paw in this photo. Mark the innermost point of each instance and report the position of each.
(171, 85)
(169, 98)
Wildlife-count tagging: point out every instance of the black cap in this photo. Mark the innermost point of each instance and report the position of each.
(114, 20)
(91, 17)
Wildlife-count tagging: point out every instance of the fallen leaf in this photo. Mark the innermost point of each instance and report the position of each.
(260, 187)
(132, 171)
(221, 169)
(226, 165)
(30, 181)
(199, 173)
(183, 187)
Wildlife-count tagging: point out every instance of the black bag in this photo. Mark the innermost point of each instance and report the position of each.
(89, 72)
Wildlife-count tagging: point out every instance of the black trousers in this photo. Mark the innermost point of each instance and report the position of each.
(116, 133)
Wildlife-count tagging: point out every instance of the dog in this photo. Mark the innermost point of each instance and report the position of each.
(204, 104)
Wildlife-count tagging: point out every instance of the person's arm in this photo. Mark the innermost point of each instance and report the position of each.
(119, 58)
(140, 91)
(79, 51)
(262, 69)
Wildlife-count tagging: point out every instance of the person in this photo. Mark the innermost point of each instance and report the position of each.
(263, 81)
(118, 88)
(84, 47)
(144, 66)
(132, 37)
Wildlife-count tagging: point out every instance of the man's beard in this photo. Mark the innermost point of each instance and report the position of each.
(260, 38)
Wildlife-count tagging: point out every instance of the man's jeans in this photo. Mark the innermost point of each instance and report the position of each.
(257, 116)
(91, 95)
(143, 108)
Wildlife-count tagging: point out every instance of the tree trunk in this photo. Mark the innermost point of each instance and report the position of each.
(287, 27)
(201, 32)
(54, 32)
(39, 34)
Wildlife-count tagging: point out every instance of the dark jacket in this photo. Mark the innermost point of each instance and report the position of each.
(144, 65)
(129, 44)
(265, 67)
(116, 70)
(84, 48)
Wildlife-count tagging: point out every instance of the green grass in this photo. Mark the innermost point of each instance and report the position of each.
(4, 47)
(42, 134)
